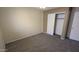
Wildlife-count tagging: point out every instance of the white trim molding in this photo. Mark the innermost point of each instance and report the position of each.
(2, 50)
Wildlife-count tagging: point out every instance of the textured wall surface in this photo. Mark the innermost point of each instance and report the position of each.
(19, 23)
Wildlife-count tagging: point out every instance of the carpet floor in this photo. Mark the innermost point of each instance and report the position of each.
(43, 43)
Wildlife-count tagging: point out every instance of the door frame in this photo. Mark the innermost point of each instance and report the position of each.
(56, 22)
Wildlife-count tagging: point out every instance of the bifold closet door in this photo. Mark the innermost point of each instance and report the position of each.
(50, 23)
(75, 25)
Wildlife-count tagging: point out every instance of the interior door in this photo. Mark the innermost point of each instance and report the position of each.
(59, 23)
(75, 26)
(50, 23)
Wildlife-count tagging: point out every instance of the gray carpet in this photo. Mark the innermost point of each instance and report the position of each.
(43, 43)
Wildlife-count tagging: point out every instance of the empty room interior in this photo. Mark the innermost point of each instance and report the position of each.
(39, 29)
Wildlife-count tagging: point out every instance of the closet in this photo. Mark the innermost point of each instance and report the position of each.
(74, 34)
(59, 21)
(55, 23)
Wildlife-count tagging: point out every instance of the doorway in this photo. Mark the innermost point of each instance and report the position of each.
(59, 21)
(55, 23)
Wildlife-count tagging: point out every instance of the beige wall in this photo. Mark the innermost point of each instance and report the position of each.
(72, 14)
(44, 21)
(2, 46)
(65, 26)
(19, 23)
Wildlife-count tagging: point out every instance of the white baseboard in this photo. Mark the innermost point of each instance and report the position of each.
(22, 37)
(44, 32)
(62, 38)
(2, 50)
(73, 39)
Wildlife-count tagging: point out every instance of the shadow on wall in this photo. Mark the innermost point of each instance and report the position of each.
(18, 23)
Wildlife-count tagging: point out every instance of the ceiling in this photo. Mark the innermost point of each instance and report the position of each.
(47, 8)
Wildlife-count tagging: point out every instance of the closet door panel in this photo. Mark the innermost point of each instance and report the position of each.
(50, 23)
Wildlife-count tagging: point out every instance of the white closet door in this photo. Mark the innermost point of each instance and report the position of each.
(59, 23)
(75, 26)
(50, 23)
